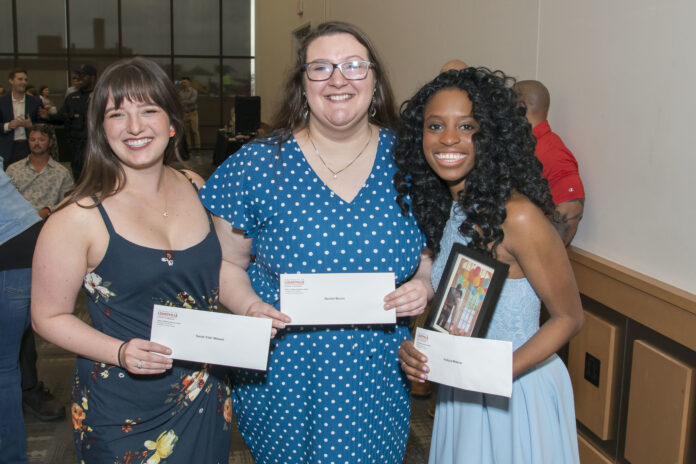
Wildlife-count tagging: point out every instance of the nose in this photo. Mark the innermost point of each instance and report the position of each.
(337, 79)
(135, 125)
(450, 137)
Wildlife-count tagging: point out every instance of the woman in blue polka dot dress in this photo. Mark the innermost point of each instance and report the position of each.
(317, 196)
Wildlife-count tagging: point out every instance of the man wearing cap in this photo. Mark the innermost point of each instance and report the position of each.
(17, 111)
(73, 114)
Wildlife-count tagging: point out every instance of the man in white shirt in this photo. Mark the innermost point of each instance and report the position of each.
(17, 113)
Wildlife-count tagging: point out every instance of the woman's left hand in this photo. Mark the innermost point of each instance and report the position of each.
(409, 300)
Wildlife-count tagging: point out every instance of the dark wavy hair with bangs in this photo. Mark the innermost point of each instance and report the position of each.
(138, 80)
(504, 161)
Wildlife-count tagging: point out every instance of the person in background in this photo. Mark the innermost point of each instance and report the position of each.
(19, 229)
(40, 179)
(133, 234)
(73, 114)
(316, 196)
(453, 64)
(18, 111)
(467, 170)
(47, 103)
(74, 84)
(2, 90)
(560, 166)
(189, 101)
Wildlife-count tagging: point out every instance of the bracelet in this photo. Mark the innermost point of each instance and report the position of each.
(47, 209)
(118, 356)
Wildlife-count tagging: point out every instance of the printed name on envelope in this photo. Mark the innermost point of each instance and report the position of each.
(474, 364)
(337, 298)
(209, 337)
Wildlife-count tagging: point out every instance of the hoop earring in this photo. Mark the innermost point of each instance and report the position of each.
(372, 111)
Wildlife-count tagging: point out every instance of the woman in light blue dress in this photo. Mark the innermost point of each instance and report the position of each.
(466, 161)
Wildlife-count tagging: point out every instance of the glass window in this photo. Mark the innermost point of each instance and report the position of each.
(94, 26)
(145, 33)
(196, 27)
(50, 72)
(236, 27)
(40, 26)
(236, 77)
(6, 36)
(205, 77)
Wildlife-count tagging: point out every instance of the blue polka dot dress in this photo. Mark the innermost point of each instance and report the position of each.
(330, 395)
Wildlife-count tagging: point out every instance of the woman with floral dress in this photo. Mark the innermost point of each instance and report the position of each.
(133, 234)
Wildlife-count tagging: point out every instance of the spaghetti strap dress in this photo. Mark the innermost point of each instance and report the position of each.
(181, 416)
(536, 425)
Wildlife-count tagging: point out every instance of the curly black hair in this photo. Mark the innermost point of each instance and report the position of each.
(504, 161)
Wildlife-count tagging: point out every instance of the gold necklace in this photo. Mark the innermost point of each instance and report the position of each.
(336, 173)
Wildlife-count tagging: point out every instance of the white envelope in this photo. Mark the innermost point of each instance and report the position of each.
(468, 363)
(332, 299)
(215, 338)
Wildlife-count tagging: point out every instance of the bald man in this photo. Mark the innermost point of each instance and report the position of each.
(560, 166)
(453, 64)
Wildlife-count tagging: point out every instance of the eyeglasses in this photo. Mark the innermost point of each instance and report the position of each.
(353, 70)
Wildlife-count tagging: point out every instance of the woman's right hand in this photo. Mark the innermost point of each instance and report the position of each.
(413, 362)
(140, 357)
(261, 309)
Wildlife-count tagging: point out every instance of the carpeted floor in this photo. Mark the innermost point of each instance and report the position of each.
(51, 442)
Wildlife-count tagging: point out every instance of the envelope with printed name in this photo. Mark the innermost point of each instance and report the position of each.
(215, 338)
(337, 299)
(474, 364)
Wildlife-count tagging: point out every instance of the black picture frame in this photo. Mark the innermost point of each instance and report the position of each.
(467, 293)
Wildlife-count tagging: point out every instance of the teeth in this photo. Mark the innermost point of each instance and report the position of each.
(339, 97)
(137, 143)
(450, 156)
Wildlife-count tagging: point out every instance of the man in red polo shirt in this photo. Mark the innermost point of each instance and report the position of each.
(560, 166)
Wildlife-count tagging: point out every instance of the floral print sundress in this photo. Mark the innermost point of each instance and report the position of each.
(181, 416)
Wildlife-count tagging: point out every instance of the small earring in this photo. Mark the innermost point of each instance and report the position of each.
(305, 111)
(171, 132)
(373, 109)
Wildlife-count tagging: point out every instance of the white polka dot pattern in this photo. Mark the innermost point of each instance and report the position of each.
(330, 395)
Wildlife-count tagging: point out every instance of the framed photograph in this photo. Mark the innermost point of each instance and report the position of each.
(467, 293)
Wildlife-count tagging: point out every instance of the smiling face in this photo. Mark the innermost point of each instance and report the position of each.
(448, 128)
(137, 132)
(338, 103)
(19, 83)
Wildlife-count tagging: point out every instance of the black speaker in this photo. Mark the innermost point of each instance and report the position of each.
(247, 114)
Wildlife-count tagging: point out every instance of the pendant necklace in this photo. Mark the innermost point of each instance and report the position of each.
(164, 212)
(336, 173)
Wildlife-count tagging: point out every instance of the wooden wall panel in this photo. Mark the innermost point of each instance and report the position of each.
(596, 406)
(660, 407)
(589, 454)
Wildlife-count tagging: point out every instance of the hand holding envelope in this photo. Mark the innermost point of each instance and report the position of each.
(468, 363)
(210, 337)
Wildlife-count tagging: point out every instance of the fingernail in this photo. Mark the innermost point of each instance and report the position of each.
(422, 376)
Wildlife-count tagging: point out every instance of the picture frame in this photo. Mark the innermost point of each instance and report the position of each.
(467, 293)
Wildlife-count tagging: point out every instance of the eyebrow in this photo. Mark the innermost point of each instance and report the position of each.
(348, 58)
(138, 104)
(438, 116)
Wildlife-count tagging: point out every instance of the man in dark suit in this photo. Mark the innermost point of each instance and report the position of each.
(17, 113)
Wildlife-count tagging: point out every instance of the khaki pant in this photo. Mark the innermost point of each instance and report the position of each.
(193, 139)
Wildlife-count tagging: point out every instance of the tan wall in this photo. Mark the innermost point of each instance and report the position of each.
(621, 77)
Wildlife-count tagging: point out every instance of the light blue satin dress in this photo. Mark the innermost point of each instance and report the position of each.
(535, 425)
